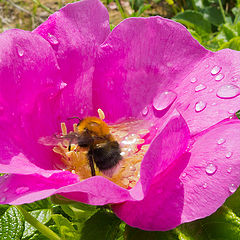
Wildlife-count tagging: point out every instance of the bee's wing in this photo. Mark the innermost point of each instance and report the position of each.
(54, 140)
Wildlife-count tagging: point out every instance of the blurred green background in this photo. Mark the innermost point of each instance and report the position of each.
(214, 23)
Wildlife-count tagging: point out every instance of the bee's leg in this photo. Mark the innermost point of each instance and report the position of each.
(69, 146)
(91, 165)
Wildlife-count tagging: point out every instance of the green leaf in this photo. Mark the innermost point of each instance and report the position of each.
(232, 44)
(3, 208)
(42, 204)
(11, 225)
(39, 236)
(135, 233)
(43, 216)
(65, 228)
(101, 226)
(80, 212)
(213, 15)
(194, 20)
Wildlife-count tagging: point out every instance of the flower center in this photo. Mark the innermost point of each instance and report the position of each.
(76, 157)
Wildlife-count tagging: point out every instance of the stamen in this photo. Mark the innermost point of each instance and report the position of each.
(64, 129)
(101, 114)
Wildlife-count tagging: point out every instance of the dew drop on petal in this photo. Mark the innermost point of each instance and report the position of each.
(22, 190)
(232, 188)
(211, 169)
(163, 100)
(145, 111)
(214, 104)
(52, 39)
(205, 185)
(2, 199)
(200, 87)
(210, 90)
(63, 85)
(5, 189)
(228, 91)
(219, 77)
(221, 141)
(215, 70)
(234, 79)
(184, 175)
(20, 51)
(228, 154)
(200, 106)
(193, 80)
(231, 111)
(229, 170)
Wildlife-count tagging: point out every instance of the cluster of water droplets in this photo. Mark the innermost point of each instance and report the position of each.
(225, 91)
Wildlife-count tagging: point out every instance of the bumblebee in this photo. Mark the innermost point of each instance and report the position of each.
(93, 135)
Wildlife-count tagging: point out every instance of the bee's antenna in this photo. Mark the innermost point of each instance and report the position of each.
(79, 119)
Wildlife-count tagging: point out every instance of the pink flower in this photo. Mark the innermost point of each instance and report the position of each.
(147, 68)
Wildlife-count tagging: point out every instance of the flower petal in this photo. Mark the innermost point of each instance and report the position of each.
(20, 189)
(96, 191)
(200, 100)
(26, 86)
(141, 58)
(148, 67)
(191, 188)
(75, 32)
(170, 143)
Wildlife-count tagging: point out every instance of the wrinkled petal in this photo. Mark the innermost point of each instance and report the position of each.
(20, 189)
(75, 32)
(223, 65)
(171, 142)
(26, 86)
(96, 191)
(142, 59)
(188, 190)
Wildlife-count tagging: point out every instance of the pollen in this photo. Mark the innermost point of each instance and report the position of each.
(131, 137)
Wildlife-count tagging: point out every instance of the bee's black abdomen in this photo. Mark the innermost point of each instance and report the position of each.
(107, 155)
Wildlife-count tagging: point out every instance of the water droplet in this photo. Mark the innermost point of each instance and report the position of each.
(231, 111)
(210, 90)
(229, 170)
(228, 154)
(232, 188)
(145, 111)
(234, 79)
(184, 175)
(228, 91)
(21, 190)
(215, 70)
(206, 66)
(163, 100)
(200, 87)
(211, 169)
(20, 51)
(5, 189)
(52, 39)
(205, 185)
(2, 199)
(214, 104)
(219, 77)
(200, 106)
(63, 85)
(193, 80)
(221, 141)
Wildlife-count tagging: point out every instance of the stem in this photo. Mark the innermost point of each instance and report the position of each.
(120, 8)
(222, 10)
(39, 226)
(43, 6)
(194, 5)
